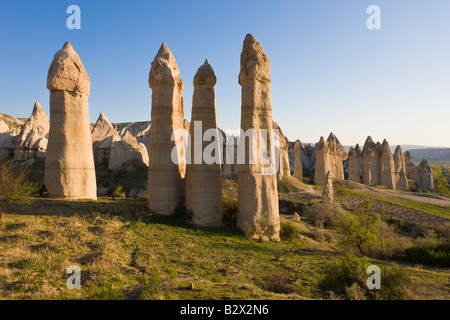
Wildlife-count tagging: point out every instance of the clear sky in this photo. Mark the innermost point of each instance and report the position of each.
(329, 71)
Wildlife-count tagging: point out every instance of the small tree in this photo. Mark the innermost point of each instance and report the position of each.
(14, 187)
(358, 229)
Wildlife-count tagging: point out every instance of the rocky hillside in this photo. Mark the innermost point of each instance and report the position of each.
(431, 154)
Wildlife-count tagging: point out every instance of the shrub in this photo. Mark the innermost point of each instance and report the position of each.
(433, 255)
(14, 187)
(358, 229)
(342, 191)
(346, 278)
(278, 282)
(115, 190)
(324, 214)
(288, 231)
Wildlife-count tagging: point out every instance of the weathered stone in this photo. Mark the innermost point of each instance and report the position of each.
(284, 170)
(401, 182)
(204, 180)
(371, 162)
(425, 176)
(298, 168)
(323, 163)
(166, 178)
(360, 162)
(328, 192)
(337, 155)
(103, 135)
(125, 150)
(69, 164)
(33, 137)
(411, 167)
(387, 166)
(258, 212)
(353, 170)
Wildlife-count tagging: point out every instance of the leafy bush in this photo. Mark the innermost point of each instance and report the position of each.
(288, 231)
(115, 190)
(342, 191)
(346, 278)
(437, 255)
(324, 214)
(14, 186)
(358, 229)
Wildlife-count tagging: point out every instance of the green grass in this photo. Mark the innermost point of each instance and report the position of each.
(411, 204)
(125, 251)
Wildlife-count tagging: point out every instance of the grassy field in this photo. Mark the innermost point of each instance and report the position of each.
(126, 252)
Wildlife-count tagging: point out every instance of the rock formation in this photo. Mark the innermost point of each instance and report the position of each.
(298, 168)
(425, 176)
(140, 130)
(323, 163)
(387, 167)
(353, 169)
(32, 139)
(337, 155)
(284, 169)
(166, 178)
(371, 162)
(328, 192)
(125, 150)
(204, 181)
(360, 162)
(411, 168)
(258, 212)
(103, 136)
(401, 181)
(69, 164)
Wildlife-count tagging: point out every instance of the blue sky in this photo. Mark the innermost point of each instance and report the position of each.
(329, 71)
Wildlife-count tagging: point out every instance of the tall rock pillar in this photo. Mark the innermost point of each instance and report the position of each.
(298, 167)
(203, 179)
(401, 181)
(387, 167)
(166, 177)
(323, 162)
(371, 162)
(69, 164)
(258, 212)
(353, 170)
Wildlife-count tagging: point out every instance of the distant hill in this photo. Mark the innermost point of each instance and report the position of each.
(431, 154)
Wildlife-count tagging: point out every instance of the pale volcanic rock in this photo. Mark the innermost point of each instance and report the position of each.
(360, 162)
(204, 180)
(411, 167)
(371, 162)
(140, 130)
(337, 155)
(328, 191)
(3, 127)
(125, 150)
(166, 178)
(401, 181)
(323, 162)
(284, 169)
(69, 164)
(103, 136)
(425, 176)
(353, 170)
(258, 212)
(33, 137)
(298, 168)
(387, 166)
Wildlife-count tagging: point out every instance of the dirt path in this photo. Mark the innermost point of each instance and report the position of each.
(419, 197)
